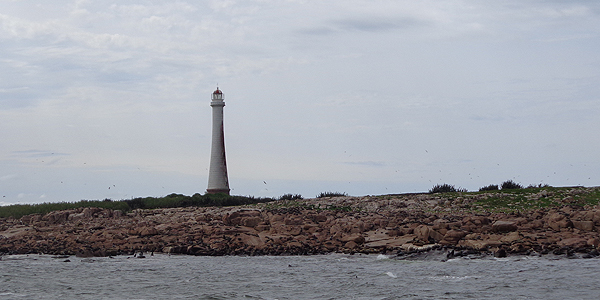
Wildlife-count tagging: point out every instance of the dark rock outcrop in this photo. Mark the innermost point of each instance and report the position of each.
(404, 224)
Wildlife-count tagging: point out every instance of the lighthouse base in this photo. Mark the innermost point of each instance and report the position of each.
(217, 191)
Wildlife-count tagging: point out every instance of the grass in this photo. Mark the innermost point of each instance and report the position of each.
(19, 210)
(286, 204)
(504, 200)
(524, 199)
(331, 194)
(169, 201)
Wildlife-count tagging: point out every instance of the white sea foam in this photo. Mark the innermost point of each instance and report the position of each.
(391, 274)
(448, 278)
(381, 256)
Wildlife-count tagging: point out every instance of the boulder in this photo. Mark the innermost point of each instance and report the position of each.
(57, 217)
(89, 212)
(452, 237)
(511, 237)
(350, 245)
(293, 221)
(558, 220)
(319, 218)
(435, 235)
(357, 238)
(148, 231)
(574, 242)
(250, 221)
(504, 226)
(584, 225)
(478, 244)
(500, 253)
(250, 240)
(422, 232)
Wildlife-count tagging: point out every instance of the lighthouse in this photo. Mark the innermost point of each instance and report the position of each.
(217, 174)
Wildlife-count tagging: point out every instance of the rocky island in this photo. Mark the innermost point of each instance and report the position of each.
(530, 221)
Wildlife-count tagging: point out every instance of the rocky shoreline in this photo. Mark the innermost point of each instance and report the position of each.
(393, 224)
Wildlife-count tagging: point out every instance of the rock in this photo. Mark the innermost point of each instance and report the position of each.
(250, 240)
(319, 218)
(479, 245)
(596, 217)
(500, 253)
(480, 220)
(436, 236)
(511, 237)
(57, 217)
(294, 230)
(75, 217)
(379, 225)
(148, 231)
(350, 245)
(452, 237)
(89, 212)
(260, 228)
(357, 238)
(422, 232)
(293, 221)
(557, 221)
(574, 242)
(504, 226)
(251, 221)
(584, 225)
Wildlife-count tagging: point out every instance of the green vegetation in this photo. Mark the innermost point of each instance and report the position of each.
(524, 199)
(491, 187)
(290, 197)
(293, 204)
(331, 194)
(446, 188)
(19, 210)
(513, 197)
(511, 185)
(169, 201)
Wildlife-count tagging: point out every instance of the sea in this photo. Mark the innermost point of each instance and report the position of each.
(333, 276)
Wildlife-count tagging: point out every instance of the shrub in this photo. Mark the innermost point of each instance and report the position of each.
(511, 185)
(331, 194)
(169, 201)
(491, 187)
(445, 188)
(291, 197)
(537, 186)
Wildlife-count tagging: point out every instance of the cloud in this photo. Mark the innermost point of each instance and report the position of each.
(8, 177)
(377, 25)
(38, 153)
(373, 24)
(365, 163)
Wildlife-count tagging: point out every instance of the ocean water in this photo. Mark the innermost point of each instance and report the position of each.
(334, 276)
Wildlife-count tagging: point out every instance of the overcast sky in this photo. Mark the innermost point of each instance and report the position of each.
(111, 99)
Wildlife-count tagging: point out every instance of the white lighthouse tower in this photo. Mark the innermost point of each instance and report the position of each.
(217, 175)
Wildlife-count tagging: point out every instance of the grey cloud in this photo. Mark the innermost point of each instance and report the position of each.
(365, 163)
(38, 153)
(322, 30)
(372, 25)
(376, 24)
